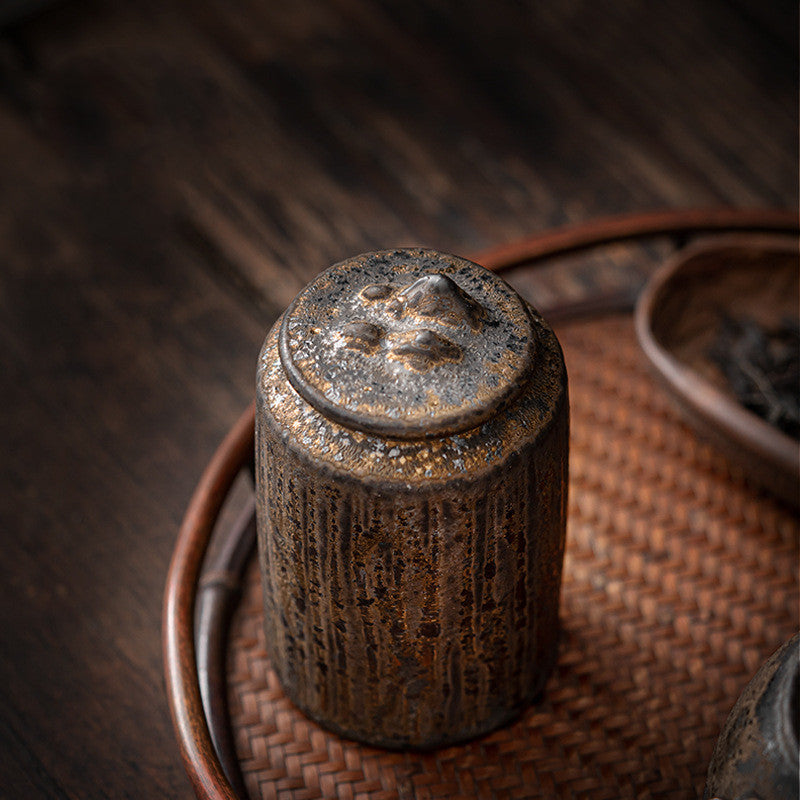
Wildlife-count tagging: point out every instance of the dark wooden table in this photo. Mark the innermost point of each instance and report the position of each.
(172, 173)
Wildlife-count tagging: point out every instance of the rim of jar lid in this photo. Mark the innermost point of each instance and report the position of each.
(507, 315)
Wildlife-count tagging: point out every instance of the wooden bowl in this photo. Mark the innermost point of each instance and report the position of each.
(677, 320)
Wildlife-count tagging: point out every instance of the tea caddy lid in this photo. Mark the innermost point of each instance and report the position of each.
(408, 343)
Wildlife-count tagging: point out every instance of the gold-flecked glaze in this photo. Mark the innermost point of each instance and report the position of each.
(411, 585)
(369, 336)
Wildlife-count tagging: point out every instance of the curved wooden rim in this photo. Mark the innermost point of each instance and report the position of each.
(180, 663)
(626, 227)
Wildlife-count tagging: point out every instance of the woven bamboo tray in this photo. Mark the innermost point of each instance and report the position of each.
(680, 579)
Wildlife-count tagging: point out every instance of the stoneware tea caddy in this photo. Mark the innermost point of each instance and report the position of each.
(411, 446)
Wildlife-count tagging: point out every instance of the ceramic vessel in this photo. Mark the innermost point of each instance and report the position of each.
(757, 753)
(411, 447)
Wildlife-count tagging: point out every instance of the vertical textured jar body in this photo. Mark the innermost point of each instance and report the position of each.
(412, 434)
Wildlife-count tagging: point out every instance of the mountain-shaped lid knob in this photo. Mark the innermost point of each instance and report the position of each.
(407, 343)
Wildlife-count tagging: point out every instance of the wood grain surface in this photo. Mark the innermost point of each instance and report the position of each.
(172, 173)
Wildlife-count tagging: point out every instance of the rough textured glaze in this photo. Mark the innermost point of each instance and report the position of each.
(407, 343)
(757, 752)
(411, 586)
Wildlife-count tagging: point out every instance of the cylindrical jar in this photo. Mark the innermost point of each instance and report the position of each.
(411, 447)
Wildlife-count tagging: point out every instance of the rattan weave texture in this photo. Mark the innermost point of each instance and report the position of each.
(680, 579)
